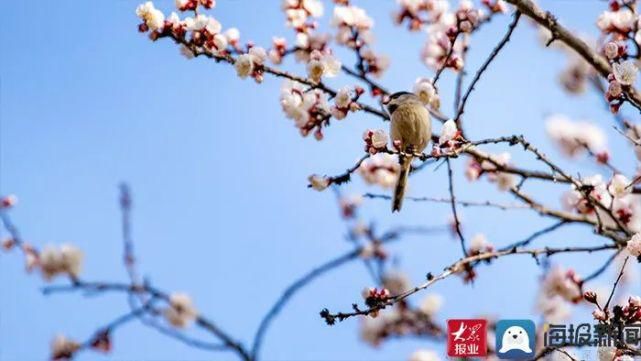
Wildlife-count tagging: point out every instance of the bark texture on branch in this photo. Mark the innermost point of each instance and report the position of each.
(561, 33)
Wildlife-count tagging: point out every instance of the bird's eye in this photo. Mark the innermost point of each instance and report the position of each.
(392, 108)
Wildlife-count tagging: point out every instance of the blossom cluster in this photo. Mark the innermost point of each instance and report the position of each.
(479, 244)
(619, 25)
(52, 261)
(300, 14)
(187, 5)
(308, 108)
(403, 320)
(374, 297)
(353, 30)
(380, 169)
(492, 168)
(559, 289)
(575, 137)
(595, 198)
(443, 26)
(633, 245)
(65, 259)
(623, 76)
(345, 101)
(375, 140)
(322, 64)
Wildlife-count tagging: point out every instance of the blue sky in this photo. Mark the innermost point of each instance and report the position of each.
(221, 208)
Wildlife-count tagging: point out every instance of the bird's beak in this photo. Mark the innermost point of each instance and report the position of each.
(385, 100)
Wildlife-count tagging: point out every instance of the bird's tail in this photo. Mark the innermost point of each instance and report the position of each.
(399, 191)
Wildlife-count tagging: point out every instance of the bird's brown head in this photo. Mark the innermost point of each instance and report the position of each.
(398, 98)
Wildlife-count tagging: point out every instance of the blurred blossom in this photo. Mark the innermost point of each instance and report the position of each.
(181, 312)
(573, 137)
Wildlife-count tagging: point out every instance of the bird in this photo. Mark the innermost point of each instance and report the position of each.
(410, 131)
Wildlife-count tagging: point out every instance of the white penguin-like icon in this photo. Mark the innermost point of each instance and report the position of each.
(515, 338)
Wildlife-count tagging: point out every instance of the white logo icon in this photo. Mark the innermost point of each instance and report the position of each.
(515, 338)
(457, 334)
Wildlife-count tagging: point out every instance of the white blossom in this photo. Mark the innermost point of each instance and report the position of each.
(396, 282)
(65, 259)
(232, 35)
(343, 97)
(317, 182)
(611, 50)
(351, 16)
(625, 72)
(553, 308)
(180, 4)
(151, 16)
(380, 169)
(71, 259)
(213, 26)
(622, 20)
(220, 42)
(322, 65)
(448, 132)
(181, 311)
(562, 283)
(425, 90)
(63, 348)
(624, 358)
(599, 315)
(303, 106)
(331, 65)
(575, 199)
(314, 7)
(431, 304)
(379, 138)
(424, 355)
(315, 70)
(244, 65)
(575, 75)
(505, 181)
(619, 186)
(572, 137)
(480, 244)
(373, 329)
(174, 19)
(258, 55)
(634, 245)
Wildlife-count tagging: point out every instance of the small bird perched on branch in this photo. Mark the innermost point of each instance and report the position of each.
(411, 131)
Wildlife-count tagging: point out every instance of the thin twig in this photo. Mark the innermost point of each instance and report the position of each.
(457, 222)
(614, 287)
(456, 268)
(493, 54)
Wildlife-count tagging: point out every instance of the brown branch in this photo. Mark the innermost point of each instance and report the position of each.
(146, 289)
(448, 201)
(455, 268)
(457, 222)
(614, 287)
(447, 57)
(486, 64)
(291, 290)
(198, 51)
(559, 32)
